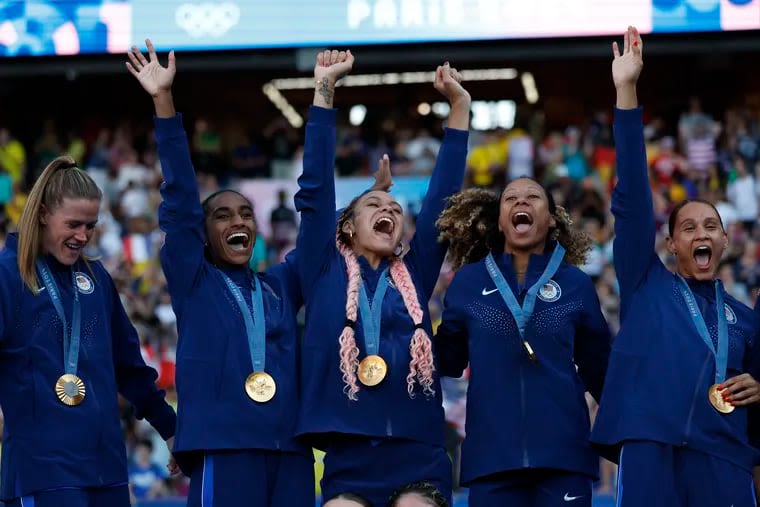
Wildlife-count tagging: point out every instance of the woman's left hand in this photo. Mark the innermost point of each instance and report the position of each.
(741, 390)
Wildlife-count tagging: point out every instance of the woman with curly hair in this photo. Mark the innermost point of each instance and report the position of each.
(523, 316)
(370, 397)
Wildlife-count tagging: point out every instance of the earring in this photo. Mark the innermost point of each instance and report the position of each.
(351, 234)
(399, 250)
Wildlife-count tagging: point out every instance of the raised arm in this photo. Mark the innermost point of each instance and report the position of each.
(315, 199)
(180, 214)
(632, 197)
(426, 253)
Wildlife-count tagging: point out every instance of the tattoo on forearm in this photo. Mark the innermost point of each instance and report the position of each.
(326, 91)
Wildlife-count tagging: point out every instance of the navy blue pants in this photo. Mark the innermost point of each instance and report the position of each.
(114, 496)
(538, 487)
(652, 474)
(375, 468)
(253, 478)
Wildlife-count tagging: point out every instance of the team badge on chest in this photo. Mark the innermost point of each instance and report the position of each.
(84, 283)
(550, 292)
(730, 315)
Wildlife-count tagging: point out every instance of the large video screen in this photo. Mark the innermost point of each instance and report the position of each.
(65, 27)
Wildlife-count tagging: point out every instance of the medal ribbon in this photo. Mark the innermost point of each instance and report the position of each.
(371, 313)
(522, 314)
(255, 326)
(721, 354)
(70, 339)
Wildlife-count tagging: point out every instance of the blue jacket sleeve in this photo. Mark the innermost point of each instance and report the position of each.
(315, 199)
(426, 253)
(287, 273)
(593, 341)
(180, 214)
(633, 246)
(135, 380)
(450, 343)
(6, 306)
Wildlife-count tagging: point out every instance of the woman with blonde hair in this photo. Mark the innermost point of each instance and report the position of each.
(67, 349)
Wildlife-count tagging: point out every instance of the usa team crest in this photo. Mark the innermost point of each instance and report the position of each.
(550, 292)
(730, 315)
(84, 283)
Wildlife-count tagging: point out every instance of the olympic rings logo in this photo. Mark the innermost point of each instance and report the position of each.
(214, 19)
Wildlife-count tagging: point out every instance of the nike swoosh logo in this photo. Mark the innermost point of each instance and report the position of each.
(569, 498)
(487, 292)
(40, 289)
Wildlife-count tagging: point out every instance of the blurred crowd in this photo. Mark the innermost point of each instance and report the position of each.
(716, 157)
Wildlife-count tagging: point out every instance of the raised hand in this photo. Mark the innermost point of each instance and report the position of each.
(330, 67)
(449, 82)
(154, 78)
(383, 178)
(626, 67)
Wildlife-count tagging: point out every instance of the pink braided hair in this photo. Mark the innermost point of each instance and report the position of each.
(349, 352)
(420, 348)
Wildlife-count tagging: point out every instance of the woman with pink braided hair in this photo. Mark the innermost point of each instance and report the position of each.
(370, 396)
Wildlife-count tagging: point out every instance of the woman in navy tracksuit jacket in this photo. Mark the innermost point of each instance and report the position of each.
(243, 443)
(681, 425)
(67, 349)
(527, 424)
(381, 437)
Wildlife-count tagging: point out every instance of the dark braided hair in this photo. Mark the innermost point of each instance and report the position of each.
(470, 223)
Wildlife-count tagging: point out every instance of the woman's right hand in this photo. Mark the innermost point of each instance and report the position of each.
(154, 78)
(330, 67)
(626, 68)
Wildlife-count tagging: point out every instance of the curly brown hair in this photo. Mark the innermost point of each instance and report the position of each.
(470, 223)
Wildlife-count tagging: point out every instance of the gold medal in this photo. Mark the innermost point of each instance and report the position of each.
(717, 401)
(70, 389)
(260, 386)
(372, 370)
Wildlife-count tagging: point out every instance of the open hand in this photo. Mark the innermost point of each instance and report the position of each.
(152, 76)
(626, 67)
(383, 178)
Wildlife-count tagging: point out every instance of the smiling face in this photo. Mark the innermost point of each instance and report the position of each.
(376, 225)
(66, 229)
(230, 229)
(697, 240)
(524, 216)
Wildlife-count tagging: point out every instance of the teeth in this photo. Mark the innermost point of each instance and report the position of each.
(522, 214)
(385, 220)
(237, 235)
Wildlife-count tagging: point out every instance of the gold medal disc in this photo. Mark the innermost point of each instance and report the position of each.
(260, 386)
(372, 370)
(70, 389)
(717, 401)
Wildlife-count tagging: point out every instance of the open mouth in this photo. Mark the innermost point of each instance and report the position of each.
(238, 240)
(384, 225)
(522, 221)
(702, 256)
(74, 246)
